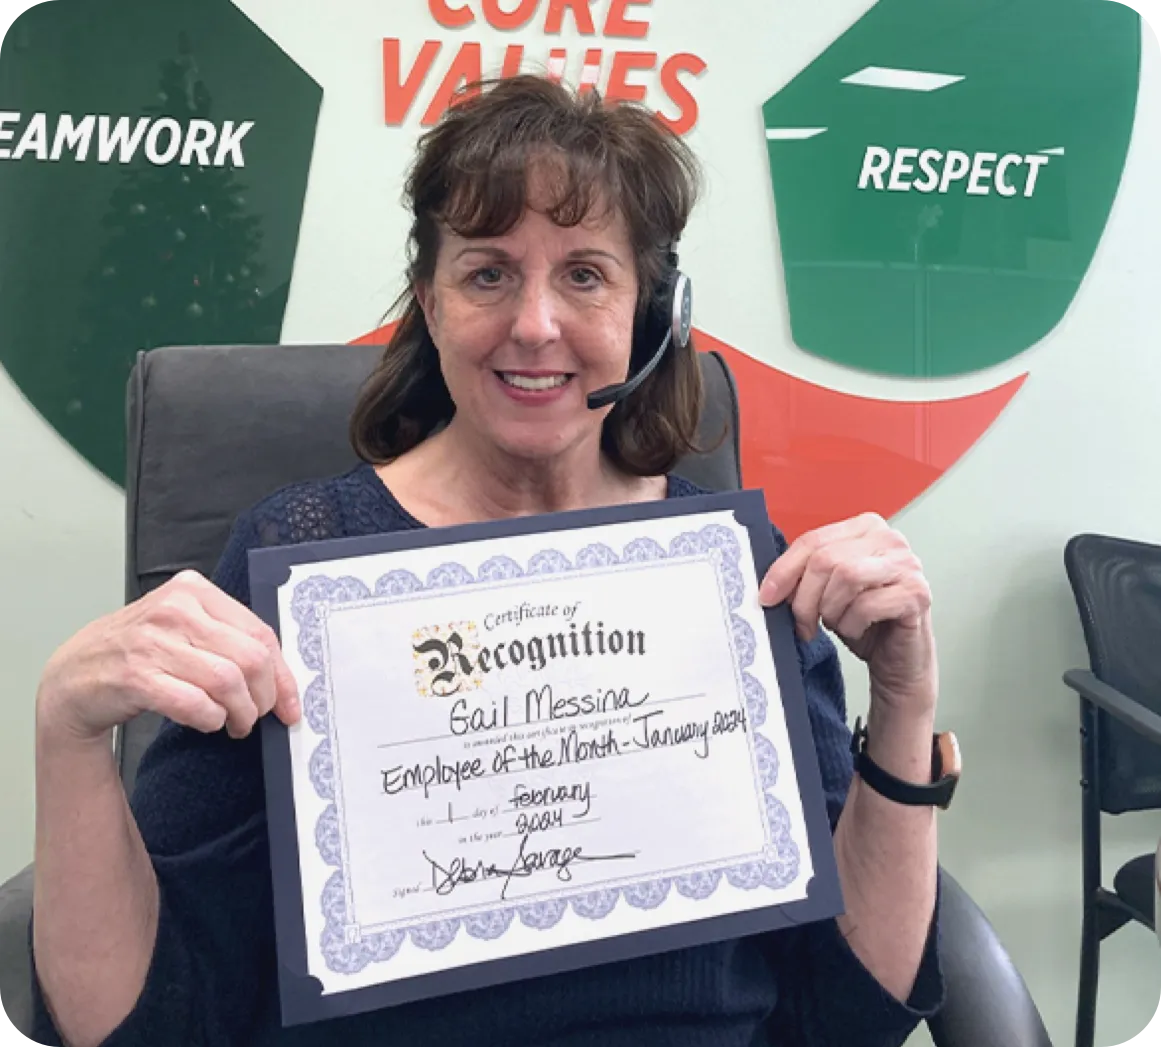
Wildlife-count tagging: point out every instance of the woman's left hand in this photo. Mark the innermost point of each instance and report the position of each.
(860, 578)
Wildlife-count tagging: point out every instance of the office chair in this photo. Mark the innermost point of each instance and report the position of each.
(1117, 586)
(212, 430)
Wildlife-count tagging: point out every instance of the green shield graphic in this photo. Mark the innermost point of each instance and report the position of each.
(943, 174)
(153, 164)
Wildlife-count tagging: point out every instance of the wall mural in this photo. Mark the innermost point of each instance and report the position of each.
(943, 174)
(151, 197)
(942, 177)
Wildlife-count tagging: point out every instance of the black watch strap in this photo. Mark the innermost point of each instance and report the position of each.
(945, 771)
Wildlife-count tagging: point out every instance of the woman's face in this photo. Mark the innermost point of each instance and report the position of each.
(528, 324)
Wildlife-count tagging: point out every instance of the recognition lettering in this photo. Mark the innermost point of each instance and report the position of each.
(455, 661)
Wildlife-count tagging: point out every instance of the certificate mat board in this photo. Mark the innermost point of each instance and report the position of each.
(534, 745)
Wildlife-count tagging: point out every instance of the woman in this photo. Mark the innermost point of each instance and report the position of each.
(542, 223)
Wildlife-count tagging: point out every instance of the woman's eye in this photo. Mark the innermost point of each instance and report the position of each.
(489, 276)
(585, 277)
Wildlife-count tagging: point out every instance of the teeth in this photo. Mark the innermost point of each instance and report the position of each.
(519, 381)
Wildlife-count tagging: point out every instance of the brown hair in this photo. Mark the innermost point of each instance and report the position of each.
(471, 173)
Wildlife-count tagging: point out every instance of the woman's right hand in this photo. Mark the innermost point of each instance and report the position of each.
(187, 650)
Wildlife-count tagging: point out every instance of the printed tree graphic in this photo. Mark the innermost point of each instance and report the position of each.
(181, 262)
(105, 259)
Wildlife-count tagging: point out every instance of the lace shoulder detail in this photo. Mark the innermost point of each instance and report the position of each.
(352, 504)
(303, 512)
(679, 487)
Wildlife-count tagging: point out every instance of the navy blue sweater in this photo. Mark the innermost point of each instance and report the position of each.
(199, 802)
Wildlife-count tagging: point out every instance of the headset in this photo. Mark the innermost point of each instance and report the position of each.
(668, 319)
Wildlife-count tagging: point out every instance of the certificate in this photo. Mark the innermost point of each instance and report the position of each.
(534, 745)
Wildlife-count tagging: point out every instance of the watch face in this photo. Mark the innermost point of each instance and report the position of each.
(947, 755)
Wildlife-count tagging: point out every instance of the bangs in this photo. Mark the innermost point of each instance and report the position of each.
(568, 186)
(529, 144)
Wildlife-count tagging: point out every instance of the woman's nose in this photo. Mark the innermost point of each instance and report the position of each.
(536, 322)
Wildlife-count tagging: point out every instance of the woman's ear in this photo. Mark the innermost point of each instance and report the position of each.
(425, 296)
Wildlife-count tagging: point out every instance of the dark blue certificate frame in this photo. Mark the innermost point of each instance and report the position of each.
(301, 995)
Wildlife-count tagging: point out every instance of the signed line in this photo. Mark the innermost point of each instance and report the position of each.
(541, 806)
(548, 767)
(552, 828)
(679, 698)
(524, 723)
(417, 741)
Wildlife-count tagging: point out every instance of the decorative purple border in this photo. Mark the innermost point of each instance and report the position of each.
(348, 953)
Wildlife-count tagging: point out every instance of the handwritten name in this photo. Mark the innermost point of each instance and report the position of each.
(540, 706)
(461, 870)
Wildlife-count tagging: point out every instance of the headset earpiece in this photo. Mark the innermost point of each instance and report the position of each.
(670, 312)
(667, 321)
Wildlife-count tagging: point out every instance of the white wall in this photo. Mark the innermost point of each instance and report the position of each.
(1079, 449)
(61, 565)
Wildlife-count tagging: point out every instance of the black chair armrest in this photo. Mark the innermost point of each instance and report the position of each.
(987, 1002)
(1142, 720)
(15, 961)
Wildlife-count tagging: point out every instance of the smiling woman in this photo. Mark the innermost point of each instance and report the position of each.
(543, 233)
(542, 230)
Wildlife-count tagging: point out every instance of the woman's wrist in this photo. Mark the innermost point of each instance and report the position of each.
(899, 740)
(58, 735)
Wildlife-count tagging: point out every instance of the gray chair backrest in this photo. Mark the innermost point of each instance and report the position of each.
(214, 429)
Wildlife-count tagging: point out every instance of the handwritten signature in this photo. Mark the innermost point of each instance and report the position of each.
(461, 870)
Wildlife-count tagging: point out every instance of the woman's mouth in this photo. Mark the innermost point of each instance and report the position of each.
(533, 383)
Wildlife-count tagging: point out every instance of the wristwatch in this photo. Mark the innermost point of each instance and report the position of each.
(945, 771)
